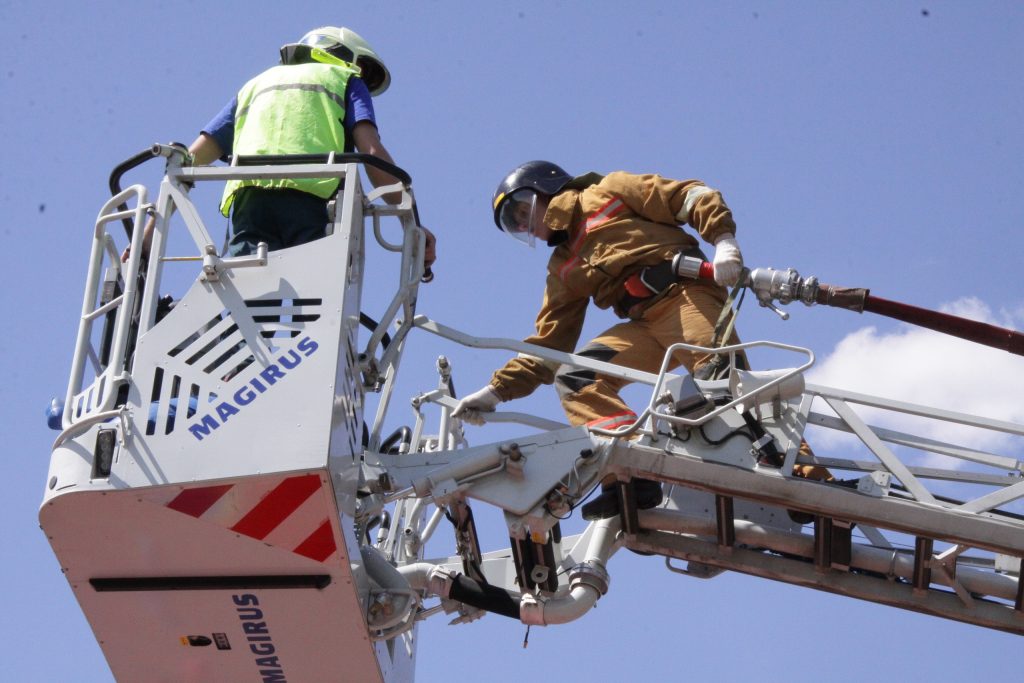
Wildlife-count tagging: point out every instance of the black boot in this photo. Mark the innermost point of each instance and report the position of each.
(604, 506)
(648, 495)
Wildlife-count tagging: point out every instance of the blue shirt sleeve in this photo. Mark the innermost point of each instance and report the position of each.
(358, 104)
(222, 127)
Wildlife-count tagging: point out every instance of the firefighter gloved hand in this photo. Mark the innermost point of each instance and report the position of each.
(483, 401)
(429, 255)
(728, 260)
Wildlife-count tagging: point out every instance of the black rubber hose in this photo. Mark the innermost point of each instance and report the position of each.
(114, 183)
(484, 596)
(402, 435)
(371, 324)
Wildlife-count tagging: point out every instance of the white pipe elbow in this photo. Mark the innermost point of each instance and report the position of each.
(588, 582)
(540, 612)
(429, 578)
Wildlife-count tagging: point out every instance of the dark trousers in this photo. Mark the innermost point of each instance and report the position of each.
(280, 217)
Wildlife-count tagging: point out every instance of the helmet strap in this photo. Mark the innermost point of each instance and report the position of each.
(558, 237)
(325, 57)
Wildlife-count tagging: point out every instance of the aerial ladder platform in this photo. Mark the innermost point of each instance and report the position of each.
(233, 496)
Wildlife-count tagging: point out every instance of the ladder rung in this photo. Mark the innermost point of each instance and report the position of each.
(725, 520)
(922, 559)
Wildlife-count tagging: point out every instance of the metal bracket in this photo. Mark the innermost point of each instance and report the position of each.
(875, 484)
(214, 265)
(514, 460)
(696, 570)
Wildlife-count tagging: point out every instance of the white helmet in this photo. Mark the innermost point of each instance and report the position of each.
(346, 45)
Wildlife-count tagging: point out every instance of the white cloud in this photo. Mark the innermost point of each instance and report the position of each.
(921, 366)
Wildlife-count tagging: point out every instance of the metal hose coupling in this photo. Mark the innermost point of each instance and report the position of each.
(590, 574)
(588, 581)
(439, 582)
(784, 286)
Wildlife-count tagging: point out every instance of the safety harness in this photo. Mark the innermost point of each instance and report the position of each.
(717, 367)
(651, 282)
(646, 285)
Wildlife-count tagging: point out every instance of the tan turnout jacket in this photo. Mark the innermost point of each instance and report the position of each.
(614, 227)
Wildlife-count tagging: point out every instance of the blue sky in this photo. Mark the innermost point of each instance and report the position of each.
(873, 144)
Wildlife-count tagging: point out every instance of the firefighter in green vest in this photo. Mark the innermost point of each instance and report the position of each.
(317, 100)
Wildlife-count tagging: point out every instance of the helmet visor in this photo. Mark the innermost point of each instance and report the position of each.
(516, 216)
(328, 44)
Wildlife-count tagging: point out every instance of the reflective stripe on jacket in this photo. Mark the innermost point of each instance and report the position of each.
(291, 109)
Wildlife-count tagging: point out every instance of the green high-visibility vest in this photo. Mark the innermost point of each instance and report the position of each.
(291, 109)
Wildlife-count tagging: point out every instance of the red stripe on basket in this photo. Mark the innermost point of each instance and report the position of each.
(196, 501)
(320, 544)
(281, 502)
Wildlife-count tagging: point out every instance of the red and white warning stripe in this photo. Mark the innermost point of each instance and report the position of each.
(596, 219)
(283, 512)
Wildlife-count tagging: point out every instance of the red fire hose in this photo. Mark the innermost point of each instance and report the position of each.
(770, 285)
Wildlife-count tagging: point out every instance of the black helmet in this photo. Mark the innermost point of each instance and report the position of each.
(542, 177)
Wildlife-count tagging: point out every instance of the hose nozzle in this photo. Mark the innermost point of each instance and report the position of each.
(785, 286)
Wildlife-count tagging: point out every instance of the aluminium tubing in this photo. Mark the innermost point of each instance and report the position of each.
(525, 607)
(421, 577)
(884, 561)
(602, 544)
(588, 580)
(558, 610)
